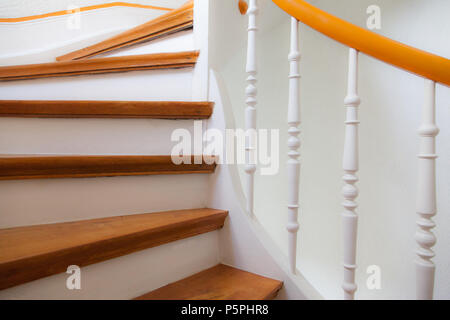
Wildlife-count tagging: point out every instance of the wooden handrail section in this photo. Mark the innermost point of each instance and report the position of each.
(243, 6)
(100, 65)
(33, 252)
(46, 167)
(171, 22)
(408, 58)
(106, 109)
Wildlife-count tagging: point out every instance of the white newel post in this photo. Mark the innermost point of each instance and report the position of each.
(293, 164)
(350, 166)
(426, 196)
(250, 111)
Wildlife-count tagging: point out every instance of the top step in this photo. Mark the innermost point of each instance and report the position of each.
(176, 20)
(100, 65)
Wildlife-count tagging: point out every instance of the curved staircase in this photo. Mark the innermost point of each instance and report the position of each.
(49, 225)
(87, 177)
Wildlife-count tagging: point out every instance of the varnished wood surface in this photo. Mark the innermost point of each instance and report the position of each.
(44, 167)
(30, 253)
(218, 283)
(169, 23)
(106, 109)
(100, 65)
(243, 6)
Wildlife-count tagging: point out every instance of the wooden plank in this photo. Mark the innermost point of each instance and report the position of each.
(32, 252)
(106, 109)
(45, 167)
(218, 283)
(169, 23)
(100, 65)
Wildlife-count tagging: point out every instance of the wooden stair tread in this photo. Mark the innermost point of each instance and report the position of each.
(100, 65)
(169, 23)
(44, 167)
(32, 252)
(218, 283)
(106, 109)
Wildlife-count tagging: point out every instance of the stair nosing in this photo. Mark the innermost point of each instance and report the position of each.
(15, 167)
(106, 109)
(169, 60)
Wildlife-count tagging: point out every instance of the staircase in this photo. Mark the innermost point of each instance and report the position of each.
(89, 154)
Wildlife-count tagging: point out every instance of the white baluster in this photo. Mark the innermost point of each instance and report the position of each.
(293, 164)
(250, 111)
(426, 196)
(350, 166)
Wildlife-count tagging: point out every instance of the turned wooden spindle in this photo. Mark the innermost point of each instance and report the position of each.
(426, 196)
(293, 164)
(250, 111)
(350, 166)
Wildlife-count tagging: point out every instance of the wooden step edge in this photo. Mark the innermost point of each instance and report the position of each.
(106, 109)
(31, 253)
(174, 21)
(47, 167)
(154, 36)
(218, 283)
(100, 65)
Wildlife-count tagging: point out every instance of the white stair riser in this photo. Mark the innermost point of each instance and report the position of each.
(146, 85)
(89, 136)
(31, 202)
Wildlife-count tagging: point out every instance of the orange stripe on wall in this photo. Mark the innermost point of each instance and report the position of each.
(94, 7)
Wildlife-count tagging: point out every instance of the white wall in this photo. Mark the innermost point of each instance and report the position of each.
(390, 111)
(21, 8)
(42, 40)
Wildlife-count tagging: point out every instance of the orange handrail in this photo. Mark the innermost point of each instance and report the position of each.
(417, 61)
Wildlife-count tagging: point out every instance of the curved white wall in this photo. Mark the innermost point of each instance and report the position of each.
(42, 40)
(21, 8)
(390, 111)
